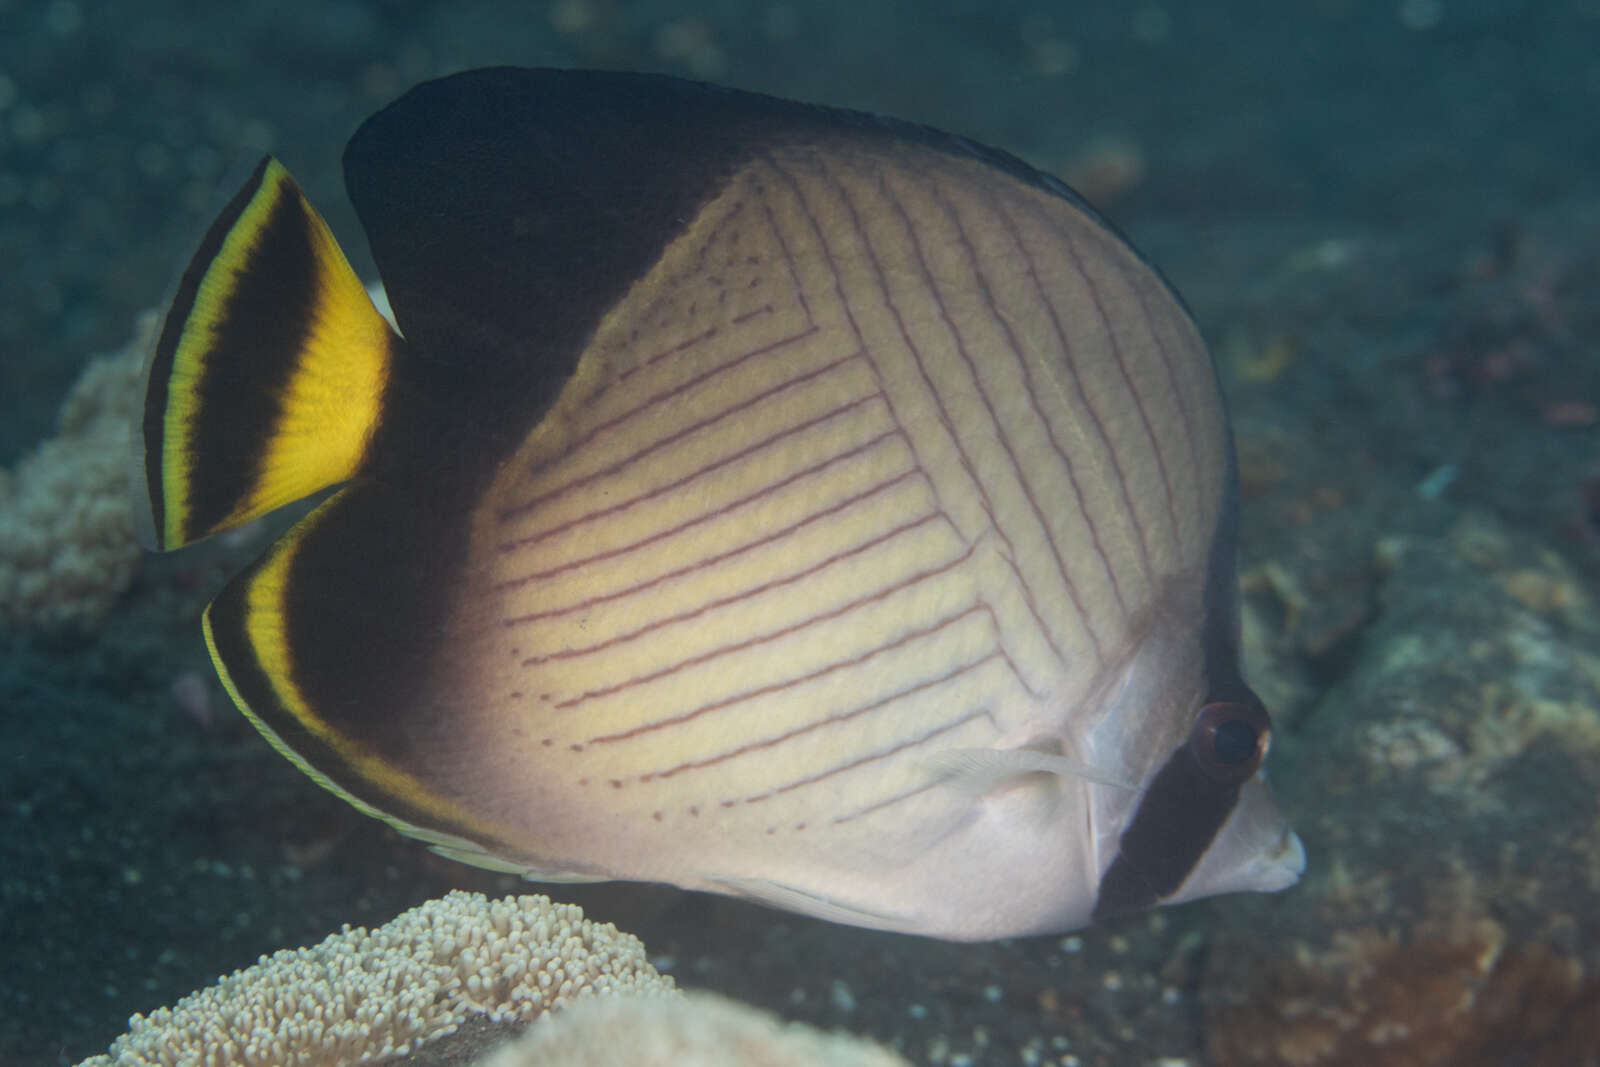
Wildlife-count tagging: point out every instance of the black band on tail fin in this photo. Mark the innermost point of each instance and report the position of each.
(267, 380)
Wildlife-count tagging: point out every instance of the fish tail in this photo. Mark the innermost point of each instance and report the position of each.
(268, 377)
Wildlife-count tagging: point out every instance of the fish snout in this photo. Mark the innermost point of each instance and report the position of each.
(1255, 851)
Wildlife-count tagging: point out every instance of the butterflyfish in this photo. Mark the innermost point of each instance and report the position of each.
(766, 499)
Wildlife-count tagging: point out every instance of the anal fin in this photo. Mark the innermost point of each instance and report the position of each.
(336, 663)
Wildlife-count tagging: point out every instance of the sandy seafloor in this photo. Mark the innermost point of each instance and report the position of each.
(1386, 218)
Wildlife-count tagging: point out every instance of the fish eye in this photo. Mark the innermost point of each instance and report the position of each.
(1230, 739)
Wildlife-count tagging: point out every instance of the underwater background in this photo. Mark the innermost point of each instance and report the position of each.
(1385, 216)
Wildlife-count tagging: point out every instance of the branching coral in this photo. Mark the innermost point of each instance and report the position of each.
(362, 995)
(67, 547)
(453, 977)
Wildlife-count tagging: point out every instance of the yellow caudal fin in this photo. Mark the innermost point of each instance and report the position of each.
(268, 379)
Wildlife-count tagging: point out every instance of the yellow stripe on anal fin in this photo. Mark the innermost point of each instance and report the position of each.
(270, 372)
(266, 633)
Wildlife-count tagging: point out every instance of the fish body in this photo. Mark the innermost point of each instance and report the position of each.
(756, 497)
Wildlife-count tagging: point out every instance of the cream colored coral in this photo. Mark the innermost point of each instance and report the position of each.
(67, 546)
(700, 1029)
(361, 995)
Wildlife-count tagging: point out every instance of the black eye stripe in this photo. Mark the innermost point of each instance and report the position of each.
(1185, 805)
(1178, 816)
